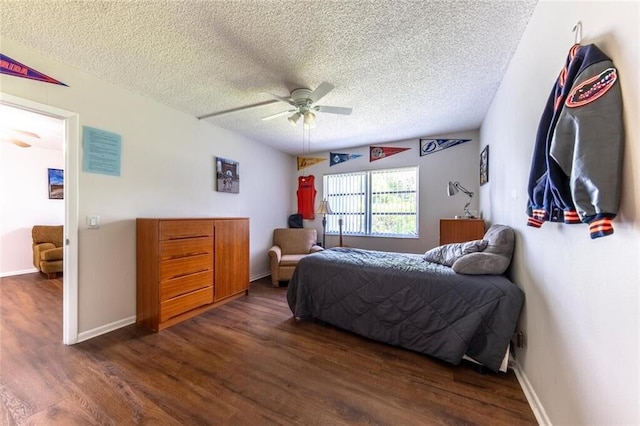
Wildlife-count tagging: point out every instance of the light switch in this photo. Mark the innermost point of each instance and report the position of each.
(93, 222)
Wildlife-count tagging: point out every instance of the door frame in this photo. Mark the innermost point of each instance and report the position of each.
(71, 150)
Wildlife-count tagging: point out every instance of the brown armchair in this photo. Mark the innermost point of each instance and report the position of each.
(47, 249)
(289, 246)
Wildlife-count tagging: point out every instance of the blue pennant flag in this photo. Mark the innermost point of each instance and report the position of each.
(12, 67)
(336, 158)
(429, 146)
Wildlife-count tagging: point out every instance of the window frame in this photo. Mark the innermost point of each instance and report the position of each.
(367, 193)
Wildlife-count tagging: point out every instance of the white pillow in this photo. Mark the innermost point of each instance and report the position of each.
(447, 254)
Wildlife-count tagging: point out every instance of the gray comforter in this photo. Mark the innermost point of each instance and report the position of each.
(403, 300)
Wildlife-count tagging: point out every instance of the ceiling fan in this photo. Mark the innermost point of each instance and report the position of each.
(304, 105)
(11, 136)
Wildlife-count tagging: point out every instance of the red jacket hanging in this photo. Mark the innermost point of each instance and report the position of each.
(306, 197)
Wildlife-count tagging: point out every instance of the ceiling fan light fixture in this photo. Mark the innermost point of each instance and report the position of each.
(309, 120)
(303, 102)
(294, 119)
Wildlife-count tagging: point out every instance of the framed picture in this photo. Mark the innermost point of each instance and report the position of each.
(56, 184)
(227, 175)
(484, 165)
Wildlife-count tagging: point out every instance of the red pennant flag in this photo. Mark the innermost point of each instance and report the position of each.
(12, 67)
(379, 152)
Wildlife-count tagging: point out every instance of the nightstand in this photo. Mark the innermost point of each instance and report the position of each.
(460, 230)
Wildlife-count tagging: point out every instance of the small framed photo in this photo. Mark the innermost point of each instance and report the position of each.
(484, 165)
(227, 175)
(56, 184)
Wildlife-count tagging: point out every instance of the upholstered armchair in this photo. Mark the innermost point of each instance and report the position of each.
(47, 249)
(289, 246)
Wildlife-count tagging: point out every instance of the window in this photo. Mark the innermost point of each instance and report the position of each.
(375, 202)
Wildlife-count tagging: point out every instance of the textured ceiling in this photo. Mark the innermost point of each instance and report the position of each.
(407, 68)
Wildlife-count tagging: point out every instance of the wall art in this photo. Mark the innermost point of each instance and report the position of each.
(429, 146)
(227, 175)
(56, 184)
(484, 165)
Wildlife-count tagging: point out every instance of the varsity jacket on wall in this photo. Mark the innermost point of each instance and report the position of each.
(577, 159)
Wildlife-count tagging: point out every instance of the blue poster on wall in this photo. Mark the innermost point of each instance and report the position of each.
(101, 151)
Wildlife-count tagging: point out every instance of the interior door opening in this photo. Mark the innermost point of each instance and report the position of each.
(70, 151)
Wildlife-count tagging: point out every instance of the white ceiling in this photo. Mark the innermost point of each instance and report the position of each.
(26, 127)
(407, 68)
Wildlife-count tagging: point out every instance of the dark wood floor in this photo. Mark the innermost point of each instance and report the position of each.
(246, 363)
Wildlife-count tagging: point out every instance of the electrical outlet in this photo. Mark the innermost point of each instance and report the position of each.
(519, 338)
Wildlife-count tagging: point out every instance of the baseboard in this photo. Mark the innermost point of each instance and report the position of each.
(258, 276)
(90, 334)
(22, 272)
(530, 394)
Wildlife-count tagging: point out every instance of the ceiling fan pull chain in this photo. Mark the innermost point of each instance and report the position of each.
(303, 146)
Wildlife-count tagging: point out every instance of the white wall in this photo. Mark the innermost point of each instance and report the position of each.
(457, 163)
(581, 312)
(167, 171)
(24, 202)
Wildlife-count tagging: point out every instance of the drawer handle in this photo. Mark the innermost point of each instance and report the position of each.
(190, 273)
(180, 256)
(183, 237)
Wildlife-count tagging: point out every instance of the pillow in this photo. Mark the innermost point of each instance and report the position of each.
(447, 254)
(495, 259)
(481, 264)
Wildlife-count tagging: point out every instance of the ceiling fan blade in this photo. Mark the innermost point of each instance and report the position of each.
(279, 114)
(321, 91)
(242, 108)
(334, 110)
(17, 142)
(280, 98)
(26, 133)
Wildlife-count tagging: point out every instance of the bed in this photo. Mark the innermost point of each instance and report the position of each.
(443, 303)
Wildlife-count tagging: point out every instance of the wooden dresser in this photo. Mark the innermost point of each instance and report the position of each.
(188, 266)
(460, 230)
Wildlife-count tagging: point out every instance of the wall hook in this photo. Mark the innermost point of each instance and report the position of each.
(577, 29)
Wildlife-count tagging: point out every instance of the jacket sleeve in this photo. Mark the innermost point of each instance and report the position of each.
(588, 142)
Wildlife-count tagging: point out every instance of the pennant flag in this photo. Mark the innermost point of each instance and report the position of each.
(335, 158)
(12, 67)
(304, 162)
(429, 146)
(379, 152)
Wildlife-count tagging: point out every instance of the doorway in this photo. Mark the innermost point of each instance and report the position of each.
(71, 167)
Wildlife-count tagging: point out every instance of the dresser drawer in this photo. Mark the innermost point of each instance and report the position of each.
(183, 266)
(174, 229)
(186, 284)
(187, 266)
(188, 247)
(182, 304)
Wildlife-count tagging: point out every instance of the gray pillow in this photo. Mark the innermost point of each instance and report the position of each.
(495, 259)
(447, 254)
(481, 264)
